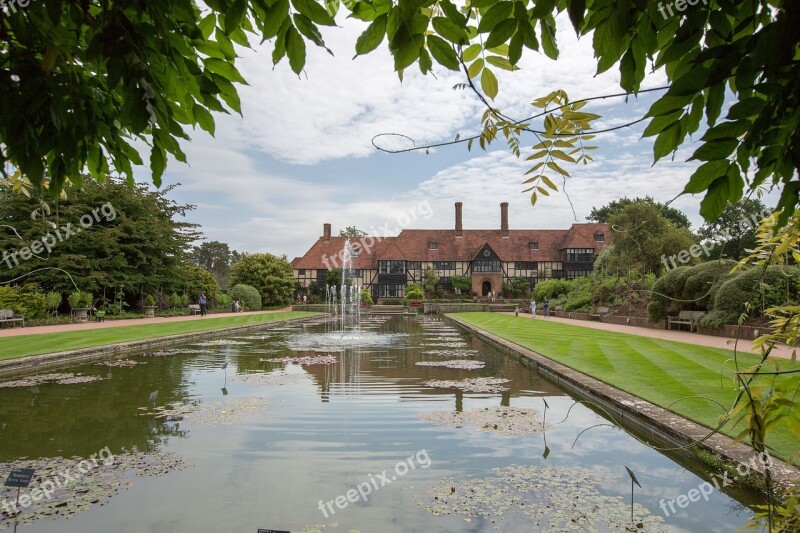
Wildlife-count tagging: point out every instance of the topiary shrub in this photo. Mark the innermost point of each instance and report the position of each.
(248, 296)
(665, 289)
(702, 282)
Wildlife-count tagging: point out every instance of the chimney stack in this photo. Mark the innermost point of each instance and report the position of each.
(326, 232)
(459, 227)
(504, 220)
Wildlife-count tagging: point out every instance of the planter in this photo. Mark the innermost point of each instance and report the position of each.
(149, 311)
(81, 313)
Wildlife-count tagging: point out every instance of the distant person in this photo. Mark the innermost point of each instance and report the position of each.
(490, 296)
(305, 299)
(516, 311)
(237, 307)
(203, 303)
(533, 308)
(546, 307)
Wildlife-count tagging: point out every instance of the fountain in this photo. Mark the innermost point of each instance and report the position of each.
(345, 306)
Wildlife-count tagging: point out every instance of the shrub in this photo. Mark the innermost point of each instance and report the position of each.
(149, 301)
(414, 292)
(25, 300)
(366, 297)
(248, 296)
(78, 300)
(578, 301)
(516, 286)
(271, 275)
(53, 301)
(703, 281)
(550, 289)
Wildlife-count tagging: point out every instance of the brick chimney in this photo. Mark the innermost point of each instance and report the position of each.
(326, 232)
(459, 227)
(504, 220)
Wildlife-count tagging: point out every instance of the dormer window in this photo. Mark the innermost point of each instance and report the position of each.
(433, 245)
(356, 251)
(534, 245)
(599, 237)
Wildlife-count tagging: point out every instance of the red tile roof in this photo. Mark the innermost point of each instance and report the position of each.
(412, 245)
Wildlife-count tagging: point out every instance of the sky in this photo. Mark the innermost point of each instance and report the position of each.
(302, 153)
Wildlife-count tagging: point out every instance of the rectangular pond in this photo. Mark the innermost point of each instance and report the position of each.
(234, 434)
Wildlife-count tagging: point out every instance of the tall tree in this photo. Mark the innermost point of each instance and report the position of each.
(642, 236)
(87, 78)
(215, 257)
(604, 213)
(101, 238)
(271, 275)
(734, 231)
(352, 231)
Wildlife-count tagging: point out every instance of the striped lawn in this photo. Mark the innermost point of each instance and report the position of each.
(655, 370)
(26, 345)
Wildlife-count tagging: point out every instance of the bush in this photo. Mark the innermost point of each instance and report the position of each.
(366, 297)
(271, 275)
(550, 289)
(53, 301)
(25, 300)
(516, 286)
(704, 280)
(149, 301)
(414, 292)
(578, 301)
(78, 300)
(248, 296)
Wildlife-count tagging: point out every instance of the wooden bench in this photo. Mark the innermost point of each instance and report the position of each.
(685, 318)
(7, 315)
(599, 313)
(194, 309)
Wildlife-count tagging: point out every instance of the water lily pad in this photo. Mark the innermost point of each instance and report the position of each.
(305, 360)
(512, 421)
(470, 384)
(461, 364)
(63, 378)
(231, 411)
(121, 363)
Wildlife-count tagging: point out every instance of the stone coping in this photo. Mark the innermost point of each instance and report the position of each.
(647, 418)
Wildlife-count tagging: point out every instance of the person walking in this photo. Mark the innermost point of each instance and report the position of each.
(203, 302)
(546, 307)
(516, 311)
(533, 308)
(305, 299)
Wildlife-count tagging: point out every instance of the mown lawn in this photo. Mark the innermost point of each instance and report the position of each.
(655, 370)
(25, 345)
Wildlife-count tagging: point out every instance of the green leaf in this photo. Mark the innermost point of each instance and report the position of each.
(332, 6)
(372, 36)
(471, 52)
(501, 33)
(705, 175)
(234, 15)
(494, 15)
(308, 29)
(448, 29)
(475, 68)
(452, 12)
(443, 52)
(158, 162)
(501, 62)
(276, 16)
(203, 118)
(314, 11)
(711, 150)
(576, 10)
(657, 124)
(746, 108)
(733, 129)
(515, 48)
(667, 141)
(489, 83)
(627, 71)
(548, 26)
(295, 50)
(408, 51)
(224, 69)
(716, 198)
(716, 97)
(207, 25)
(425, 62)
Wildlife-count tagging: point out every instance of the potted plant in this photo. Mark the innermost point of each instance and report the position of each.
(366, 298)
(81, 303)
(149, 306)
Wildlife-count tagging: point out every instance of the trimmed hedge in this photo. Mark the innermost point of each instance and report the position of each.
(248, 296)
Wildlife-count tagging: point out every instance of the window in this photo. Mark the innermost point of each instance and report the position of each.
(356, 251)
(444, 265)
(579, 255)
(572, 274)
(599, 237)
(414, 265)
(486, 265)
(392, 267)
(534, 245)
(322, 277)
(445, 285)
(392, 291)
(433, 245)
(526, 265)
(301, 272)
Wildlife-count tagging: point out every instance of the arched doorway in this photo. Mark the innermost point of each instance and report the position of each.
(486, 287)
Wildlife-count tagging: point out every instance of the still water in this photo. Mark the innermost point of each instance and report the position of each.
(234, 442)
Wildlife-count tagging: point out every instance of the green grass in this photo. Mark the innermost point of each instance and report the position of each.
(655, 370)
(26, 345)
